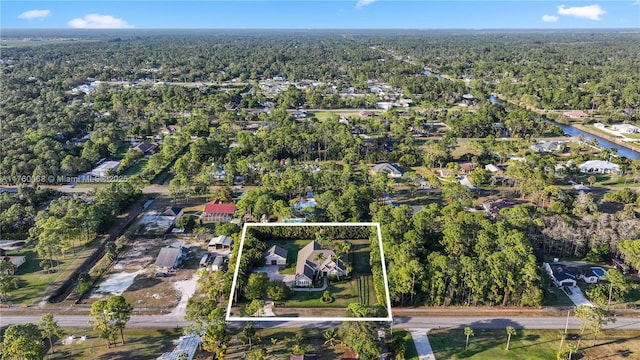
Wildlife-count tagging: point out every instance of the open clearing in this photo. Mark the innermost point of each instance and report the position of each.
(532, 344)
(140, 343)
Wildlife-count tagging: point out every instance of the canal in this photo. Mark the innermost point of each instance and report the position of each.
(571, 131)
(622, 151)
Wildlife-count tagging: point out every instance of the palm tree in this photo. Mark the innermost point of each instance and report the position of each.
(331, 336)
(572, 348)
(468, 332)
(510, 331)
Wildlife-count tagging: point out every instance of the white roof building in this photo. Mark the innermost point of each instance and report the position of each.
(599, 167)
(626, 128)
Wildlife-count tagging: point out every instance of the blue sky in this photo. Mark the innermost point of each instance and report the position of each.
(304, 14)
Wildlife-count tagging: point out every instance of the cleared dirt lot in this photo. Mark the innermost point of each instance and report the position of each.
(134, 275)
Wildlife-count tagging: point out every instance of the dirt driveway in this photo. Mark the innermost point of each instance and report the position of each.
(273, 273)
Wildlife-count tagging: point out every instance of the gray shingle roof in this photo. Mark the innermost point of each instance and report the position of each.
(277, 250)
(167, 257)
(387, 167)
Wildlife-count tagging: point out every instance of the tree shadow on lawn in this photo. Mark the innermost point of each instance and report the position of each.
(617, 341)
(454, 341)
(149, 347)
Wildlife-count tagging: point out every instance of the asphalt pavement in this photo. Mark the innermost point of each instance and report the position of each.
(431, 322)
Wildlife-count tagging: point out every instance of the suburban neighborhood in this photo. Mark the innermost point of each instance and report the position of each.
(319, 194)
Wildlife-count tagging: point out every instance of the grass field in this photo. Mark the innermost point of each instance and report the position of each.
(410, 353)
(140, 343)
(553, 296)
(135, 168)
(532, 344)
(279, 342)
(343, 293)
(34, 282)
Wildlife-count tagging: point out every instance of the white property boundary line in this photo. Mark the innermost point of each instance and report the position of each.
(389, 317)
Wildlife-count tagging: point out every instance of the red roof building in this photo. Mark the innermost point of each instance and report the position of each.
(217, 211)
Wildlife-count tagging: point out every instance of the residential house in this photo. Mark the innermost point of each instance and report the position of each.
(217, 211)
(548, 146)
(313, 262)
(392, 170)
(276, 255)
(170, 129)
(300, 114)
(221, 242)
(173, 211)
(103, 169)
(218, 173)
(494, 169)
(626, 128)
(385, 105)
(466, 167)
(146, 147)
(170, 258)
(561, 275)
(187, 345)
(367, 113)
(15, 261)
(493, 207)
(575, 114)
(599, 167)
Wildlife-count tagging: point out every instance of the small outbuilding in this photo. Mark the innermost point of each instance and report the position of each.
(218, 264)
(221, 242)
(276, 255)
(171, 258)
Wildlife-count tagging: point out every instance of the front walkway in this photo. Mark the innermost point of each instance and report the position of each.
(423, 346)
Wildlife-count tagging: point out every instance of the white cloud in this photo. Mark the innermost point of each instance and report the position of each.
(549, 18)
(34, 14)
(637, 2)
(591, 12)
(98, 21)
(363, 3)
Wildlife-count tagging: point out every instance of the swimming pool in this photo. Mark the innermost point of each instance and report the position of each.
(598, 271)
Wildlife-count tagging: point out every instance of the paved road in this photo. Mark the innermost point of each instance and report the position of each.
(434, 322)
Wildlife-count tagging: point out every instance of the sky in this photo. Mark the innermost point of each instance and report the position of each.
(321, 14)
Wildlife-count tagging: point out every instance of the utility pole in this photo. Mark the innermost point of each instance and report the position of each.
(566, 328)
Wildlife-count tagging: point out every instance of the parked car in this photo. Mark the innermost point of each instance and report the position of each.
(567, 290)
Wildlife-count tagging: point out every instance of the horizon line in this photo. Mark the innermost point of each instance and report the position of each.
(327, 28)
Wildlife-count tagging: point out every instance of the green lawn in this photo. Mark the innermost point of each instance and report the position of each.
(553, 296)
(278, 344)
(532, 344)
(322, 115)
(140, 343)
(135, 168)
(359, 256)
(410, 353)
(33, 280)
(343, 293)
